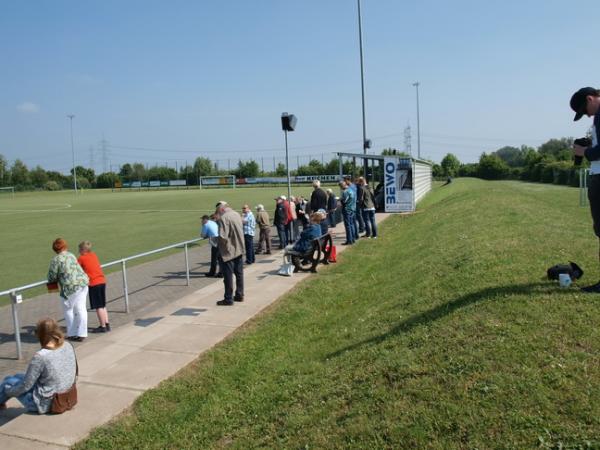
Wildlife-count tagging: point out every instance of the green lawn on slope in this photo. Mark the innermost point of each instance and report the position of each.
(440, 334)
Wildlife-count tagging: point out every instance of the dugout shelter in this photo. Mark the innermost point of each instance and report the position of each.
(399, 182)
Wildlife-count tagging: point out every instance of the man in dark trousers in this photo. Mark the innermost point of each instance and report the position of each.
(318, 198)
(210, 231)
(586, 101)
(231, 252)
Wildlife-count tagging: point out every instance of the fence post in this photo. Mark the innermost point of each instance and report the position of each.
(16, 298)
(125, 288)
(187, 264)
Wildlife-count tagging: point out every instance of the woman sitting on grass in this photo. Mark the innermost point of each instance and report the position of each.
(51, 370)
(311, 232)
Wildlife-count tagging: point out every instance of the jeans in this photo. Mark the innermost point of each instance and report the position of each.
(249, 243)
(26, 398)
(324, 227)
(331, 218)
(369, 217)
(360, 221)
(350, 226)
(282, 236)
(288, 232)
(229, 268)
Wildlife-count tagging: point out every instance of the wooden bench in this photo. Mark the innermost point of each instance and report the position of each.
(319, 252)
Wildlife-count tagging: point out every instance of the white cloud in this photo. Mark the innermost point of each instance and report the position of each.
(28, 108)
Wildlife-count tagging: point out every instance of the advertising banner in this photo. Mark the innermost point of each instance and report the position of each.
(398, 185)
(177, 183)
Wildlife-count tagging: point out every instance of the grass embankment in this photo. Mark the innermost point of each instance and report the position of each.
(440, 334)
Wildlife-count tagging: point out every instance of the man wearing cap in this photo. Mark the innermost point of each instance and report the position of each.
(586, 101)
(231, 253)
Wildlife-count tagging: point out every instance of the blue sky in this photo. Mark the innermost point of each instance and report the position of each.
(170, 81)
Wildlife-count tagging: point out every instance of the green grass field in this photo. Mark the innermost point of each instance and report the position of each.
(441, 334)
(118, 224)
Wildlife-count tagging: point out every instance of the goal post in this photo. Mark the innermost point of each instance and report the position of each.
(8, 190)
(218, 181)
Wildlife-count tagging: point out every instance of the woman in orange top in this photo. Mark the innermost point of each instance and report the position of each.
(97, 287)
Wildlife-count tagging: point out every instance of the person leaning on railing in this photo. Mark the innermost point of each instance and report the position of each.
(90, 264)
(51, 370)
(66, 271)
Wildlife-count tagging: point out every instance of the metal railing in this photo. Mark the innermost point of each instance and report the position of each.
(16, 295)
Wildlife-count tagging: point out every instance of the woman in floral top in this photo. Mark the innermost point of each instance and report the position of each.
(66, 271)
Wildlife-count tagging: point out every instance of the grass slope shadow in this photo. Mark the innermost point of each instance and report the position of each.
(431, 315)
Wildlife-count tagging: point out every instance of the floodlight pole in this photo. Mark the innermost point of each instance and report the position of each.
(362, 87)
(287, 166)
(70, 116)
(416, 85)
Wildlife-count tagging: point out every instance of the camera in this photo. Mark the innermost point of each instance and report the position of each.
(584, 142)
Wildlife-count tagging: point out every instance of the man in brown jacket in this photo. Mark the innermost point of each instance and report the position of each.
(264, 226)
(231, 253)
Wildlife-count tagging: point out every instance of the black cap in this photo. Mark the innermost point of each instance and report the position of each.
(579, 101)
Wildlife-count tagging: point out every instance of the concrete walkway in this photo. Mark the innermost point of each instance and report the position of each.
(117, 367)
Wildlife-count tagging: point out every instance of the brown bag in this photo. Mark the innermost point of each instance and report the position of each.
(65, 401)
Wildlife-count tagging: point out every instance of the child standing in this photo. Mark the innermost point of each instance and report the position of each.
(97, 287)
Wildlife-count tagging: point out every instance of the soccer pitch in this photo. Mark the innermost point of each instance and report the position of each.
(119, 224)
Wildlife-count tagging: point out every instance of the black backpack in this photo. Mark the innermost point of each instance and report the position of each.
(574, 271)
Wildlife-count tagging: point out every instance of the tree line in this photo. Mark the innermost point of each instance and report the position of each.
(551, 162)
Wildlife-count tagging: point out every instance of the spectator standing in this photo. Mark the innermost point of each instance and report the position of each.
(318, 198)
(360, 225)
(249, 223)
(348, 212)
(210, 231)
(264, 228)
(90, 264)
(297, 211)
(52, 370)
(290, 219)
(331, 207)
(66, 271)
(301, 212)
(280, 221)
(231, 252)
(366, 205)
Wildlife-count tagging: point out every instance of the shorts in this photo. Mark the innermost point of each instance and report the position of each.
(97, 296)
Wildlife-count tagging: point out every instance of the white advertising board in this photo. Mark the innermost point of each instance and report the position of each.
(398, 191)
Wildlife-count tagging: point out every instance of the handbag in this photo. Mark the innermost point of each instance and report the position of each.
(65, 401)
(574, 271)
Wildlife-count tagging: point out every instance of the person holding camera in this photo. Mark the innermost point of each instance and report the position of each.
(586, 101)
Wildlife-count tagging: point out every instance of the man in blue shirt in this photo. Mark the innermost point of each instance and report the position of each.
(249, 224)
(348, 212)
(210, 231)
